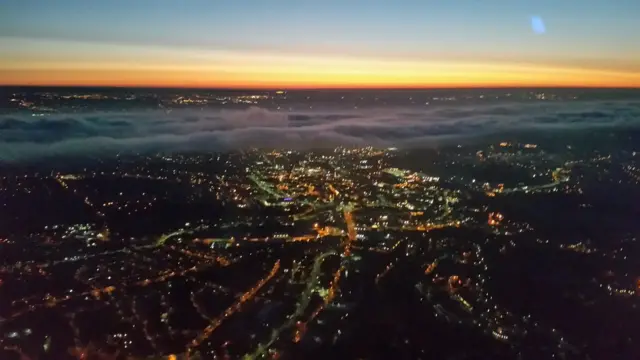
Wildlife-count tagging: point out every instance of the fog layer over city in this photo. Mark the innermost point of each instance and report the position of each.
(28, 136)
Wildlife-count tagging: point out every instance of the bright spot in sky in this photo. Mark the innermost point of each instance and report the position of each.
(537, 25)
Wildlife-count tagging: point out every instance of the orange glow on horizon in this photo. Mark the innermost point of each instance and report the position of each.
(82, 64)
(169, 79)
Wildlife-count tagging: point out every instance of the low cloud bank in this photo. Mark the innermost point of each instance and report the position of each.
(24, 137)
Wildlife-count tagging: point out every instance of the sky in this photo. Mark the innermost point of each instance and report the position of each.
(317, 44)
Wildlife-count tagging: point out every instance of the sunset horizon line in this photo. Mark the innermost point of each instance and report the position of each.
(287, 88)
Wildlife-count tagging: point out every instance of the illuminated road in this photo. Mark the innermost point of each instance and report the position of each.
(247, 296)
(555, 176)
(351, 237)
(334, 286)
(166, 237)
(305, 297)
(351, 229)
(266, 187)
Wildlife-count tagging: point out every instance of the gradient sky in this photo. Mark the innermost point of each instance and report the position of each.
(311, 43)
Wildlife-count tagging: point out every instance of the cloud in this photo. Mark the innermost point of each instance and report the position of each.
(24, 137)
